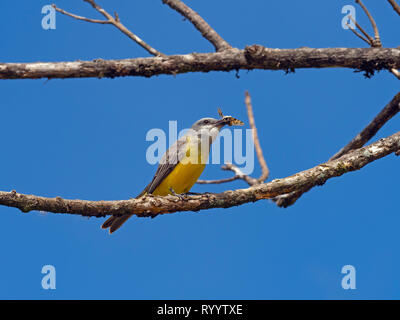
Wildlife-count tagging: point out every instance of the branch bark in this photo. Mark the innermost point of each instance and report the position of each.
(318, 175)
(252, 57)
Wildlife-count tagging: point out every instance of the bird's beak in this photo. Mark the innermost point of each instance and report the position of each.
(222, 122)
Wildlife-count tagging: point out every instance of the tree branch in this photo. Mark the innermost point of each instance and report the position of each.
(238, 175)
(115, 22)
(385, 115)
(377, 38)
(218, 181)
(395, 6)
(252, 57)
(318, 175)
(389, 111)
(79, 17)
(257, 146)
(200, 24)
(368, 39)
(373, 42)
(358, 34)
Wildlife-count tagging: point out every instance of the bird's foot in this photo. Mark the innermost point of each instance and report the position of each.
(180, 196)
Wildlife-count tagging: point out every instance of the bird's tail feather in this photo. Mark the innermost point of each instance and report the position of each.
(114, 223)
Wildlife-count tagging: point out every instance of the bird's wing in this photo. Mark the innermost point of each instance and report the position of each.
(167, 163)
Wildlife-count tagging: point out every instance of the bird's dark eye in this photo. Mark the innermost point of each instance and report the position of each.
(206, 121)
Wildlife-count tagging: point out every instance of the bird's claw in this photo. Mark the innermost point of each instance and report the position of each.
(180, 196)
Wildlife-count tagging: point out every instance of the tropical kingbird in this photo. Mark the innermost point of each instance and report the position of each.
(182, 164)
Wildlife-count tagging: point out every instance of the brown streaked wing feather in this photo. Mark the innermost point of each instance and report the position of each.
(167, 163)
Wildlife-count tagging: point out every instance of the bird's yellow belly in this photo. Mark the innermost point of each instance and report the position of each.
(181, 179)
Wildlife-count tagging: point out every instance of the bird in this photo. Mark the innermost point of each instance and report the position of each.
(182, 164)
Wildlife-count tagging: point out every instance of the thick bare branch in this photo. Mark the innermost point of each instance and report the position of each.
(368, 60)
(115, 22)
(395, 5)
(206, 31)
(389, 111)
(318, 175)
(257, 146)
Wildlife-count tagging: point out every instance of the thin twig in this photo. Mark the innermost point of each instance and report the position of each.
(218, 181)
(257, 146)
(115, 22)
(358, 35)
(369, 39)
(238, 175)
(200, 24)
(395, 6)
(377, 40)
(79, 17)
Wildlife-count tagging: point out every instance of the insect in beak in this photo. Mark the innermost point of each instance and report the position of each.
(229, 120)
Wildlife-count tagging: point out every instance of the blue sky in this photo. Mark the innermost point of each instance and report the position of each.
(85, 139)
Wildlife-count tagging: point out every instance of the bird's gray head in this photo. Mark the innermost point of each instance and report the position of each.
(208, 124)
(208, 128)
